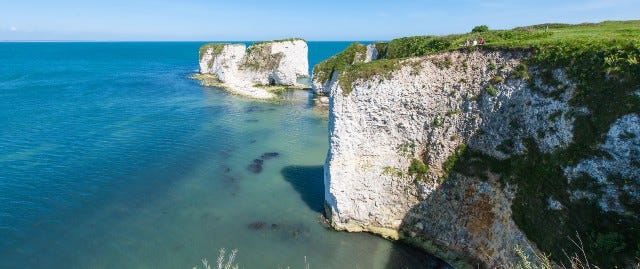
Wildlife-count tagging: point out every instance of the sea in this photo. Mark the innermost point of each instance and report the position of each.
(112, 157)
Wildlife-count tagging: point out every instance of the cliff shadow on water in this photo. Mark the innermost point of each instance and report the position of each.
(308, 181)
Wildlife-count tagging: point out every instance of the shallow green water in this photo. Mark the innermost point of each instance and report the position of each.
(110, 157)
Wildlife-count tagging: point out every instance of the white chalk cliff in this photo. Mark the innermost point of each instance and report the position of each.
(243, 70)
(430, 108)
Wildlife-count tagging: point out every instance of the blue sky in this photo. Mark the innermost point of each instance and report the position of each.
(271, 19)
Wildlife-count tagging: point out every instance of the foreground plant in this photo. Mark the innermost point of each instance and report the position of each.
(220, 262)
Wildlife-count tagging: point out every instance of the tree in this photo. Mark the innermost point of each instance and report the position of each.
(480, 29)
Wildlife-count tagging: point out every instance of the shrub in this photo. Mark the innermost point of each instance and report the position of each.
(437, 122)
(491, 90)
(340, 62)
(418, 169)
(611, 242)
(451, 161)
(521, 72)
(480, 29)
(496, 80)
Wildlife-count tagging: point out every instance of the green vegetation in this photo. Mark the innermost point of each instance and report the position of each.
(480, 29)
(279, 40)
(406, 148)
(611, 242)
(521, 72)
(418, 46)
(603, 61)
(216, 48)
(437, 122)
(506, 146)
(260, 58)
(340, 62)
(418, 169)
(392, 171)
(496, 80)
(381, 47)
(559, 44)
(452, 112)
(382, 69)
(491, 90)
(448, 164)
(442, 64)
(538, 262)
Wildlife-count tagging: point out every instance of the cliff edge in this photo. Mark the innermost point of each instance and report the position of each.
(474, 152)
(249, 71)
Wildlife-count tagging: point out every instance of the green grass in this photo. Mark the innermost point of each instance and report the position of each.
(491, 90)
(382, 69)
(279, 40)
(451, 161)
(340, 62)
(418, 170)
(217, 48)
(560, 40)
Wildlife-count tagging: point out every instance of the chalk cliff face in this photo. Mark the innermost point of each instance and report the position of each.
(386, 130)
(240, 69)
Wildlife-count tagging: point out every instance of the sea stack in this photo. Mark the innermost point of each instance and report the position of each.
(250, 71)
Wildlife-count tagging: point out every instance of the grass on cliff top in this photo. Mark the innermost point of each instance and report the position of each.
(529, 37)
(217, 48)
(340, 62)
(558, 41)
(279, 40)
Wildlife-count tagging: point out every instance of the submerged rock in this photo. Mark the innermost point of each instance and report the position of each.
(269, 155)
(255, 166)
(258, 225)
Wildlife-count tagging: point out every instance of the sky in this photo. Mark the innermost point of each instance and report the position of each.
(214, 20)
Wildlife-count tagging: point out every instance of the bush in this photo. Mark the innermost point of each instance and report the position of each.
(451, 161)
(480, 29)
(610, 243)
(437, 122)
(496, 80)
(418, 169)
(492, 90)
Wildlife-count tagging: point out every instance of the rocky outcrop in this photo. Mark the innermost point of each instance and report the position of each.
(243, 70)
(325, 75)
(395, 138)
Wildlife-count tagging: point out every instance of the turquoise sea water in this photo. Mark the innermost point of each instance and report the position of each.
(110, 157)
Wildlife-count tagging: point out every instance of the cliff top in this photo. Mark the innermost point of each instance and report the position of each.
(218, 47)
(549, 42)
(280, 40)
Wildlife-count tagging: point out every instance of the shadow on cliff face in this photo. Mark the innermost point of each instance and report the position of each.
(451, 214)
(308, 181)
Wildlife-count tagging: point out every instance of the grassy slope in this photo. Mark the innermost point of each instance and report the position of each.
(603, 60)
(533, 38)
